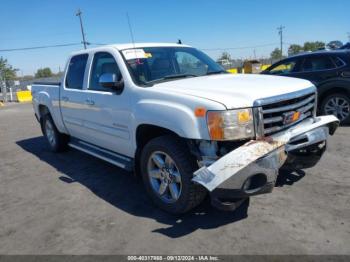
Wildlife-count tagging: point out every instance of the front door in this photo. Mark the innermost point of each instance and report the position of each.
(109, 116)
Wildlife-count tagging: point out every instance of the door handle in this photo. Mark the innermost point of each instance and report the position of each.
(89, 102)
(65, 98)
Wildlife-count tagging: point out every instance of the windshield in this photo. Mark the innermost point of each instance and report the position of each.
(150, 65)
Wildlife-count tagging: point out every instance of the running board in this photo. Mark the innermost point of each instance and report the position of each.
(104, 154)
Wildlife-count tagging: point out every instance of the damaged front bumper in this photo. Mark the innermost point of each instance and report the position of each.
(253, 168)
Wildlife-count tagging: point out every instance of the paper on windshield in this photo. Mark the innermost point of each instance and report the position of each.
(134, 54)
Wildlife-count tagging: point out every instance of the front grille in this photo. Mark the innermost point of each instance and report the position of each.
(273, 115)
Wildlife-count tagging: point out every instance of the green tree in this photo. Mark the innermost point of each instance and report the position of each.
(294, 49)
(225, 56)
(43, 72)
(7, 72)
(276, 54)
(335, 44)
(313, 46)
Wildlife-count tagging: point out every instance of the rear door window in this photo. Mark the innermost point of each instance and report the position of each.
(317, 63)
(76, 70)
(338, 61)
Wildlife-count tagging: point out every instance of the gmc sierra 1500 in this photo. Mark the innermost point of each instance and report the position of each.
(172, 114)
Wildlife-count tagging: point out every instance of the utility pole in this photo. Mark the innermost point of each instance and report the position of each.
(82, 28)
(280, 32)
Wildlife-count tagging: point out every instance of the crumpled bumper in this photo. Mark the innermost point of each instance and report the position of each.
(253, 168)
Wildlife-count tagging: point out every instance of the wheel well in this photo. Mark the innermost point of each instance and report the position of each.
(331, 91)
(43, 110)
(144, 133)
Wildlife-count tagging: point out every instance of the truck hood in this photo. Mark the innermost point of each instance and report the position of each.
(235, 91)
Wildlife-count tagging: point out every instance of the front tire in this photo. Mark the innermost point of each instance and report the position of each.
(57, 141)
(337, 104)
(167, 170)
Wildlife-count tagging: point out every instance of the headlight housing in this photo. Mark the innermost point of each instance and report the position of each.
(231, 124)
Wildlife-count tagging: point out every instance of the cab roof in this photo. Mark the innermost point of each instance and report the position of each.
(129, 46)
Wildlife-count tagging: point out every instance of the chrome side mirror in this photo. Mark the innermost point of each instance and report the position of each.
(110, 81)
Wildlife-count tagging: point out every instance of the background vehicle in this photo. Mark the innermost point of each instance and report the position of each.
(329, 71)
(176, 117)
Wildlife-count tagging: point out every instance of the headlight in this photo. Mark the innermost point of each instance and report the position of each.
(231, 124)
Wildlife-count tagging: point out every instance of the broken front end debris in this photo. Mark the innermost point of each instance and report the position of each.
(253, 168)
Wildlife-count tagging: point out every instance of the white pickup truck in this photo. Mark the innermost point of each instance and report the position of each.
(171, 114)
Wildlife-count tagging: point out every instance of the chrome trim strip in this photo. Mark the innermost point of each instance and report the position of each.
(97, 155)
(278, 128)
(279, 98)
(104, 151)
(258, 122)
(289, 107)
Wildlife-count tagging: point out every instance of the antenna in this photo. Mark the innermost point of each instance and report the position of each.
(130, 29)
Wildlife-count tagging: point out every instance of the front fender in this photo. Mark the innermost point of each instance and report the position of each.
(176, 117)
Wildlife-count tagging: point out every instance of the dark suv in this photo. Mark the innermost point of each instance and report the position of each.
(329, 71)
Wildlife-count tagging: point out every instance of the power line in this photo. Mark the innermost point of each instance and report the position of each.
(237, 47)
(37, 47)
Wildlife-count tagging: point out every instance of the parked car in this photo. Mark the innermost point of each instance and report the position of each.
(329, 71)
(346, 46)
(172, 114)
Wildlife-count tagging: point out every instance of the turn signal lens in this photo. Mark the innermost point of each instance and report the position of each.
(215, 125)
(200, 112)
(243, 116)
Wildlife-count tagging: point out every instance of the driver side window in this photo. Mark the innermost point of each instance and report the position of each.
(103, 63)
(284, 68)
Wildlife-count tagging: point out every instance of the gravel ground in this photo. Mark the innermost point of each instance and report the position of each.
(72, 203)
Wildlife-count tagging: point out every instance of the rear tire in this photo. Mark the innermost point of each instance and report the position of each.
(337, 104)
(167, 167)
(57, 141)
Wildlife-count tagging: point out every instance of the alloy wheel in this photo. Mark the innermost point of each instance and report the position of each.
(164, 177)
(337, 106)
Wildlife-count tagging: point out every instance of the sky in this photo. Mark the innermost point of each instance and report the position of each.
(204, 24)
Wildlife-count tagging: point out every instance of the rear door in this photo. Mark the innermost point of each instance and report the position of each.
(73, 99)
(318, 69)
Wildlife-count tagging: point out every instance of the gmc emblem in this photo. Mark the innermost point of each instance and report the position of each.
(290, 117)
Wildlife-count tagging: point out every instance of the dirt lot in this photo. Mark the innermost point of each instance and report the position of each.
(72, 203)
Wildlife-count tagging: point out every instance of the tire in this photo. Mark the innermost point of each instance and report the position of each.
(57, 141)
(337, 104)
(180, 163)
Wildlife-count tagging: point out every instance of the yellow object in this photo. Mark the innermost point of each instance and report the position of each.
(252, 67)
(263, 67)
(24, 96)
(1, 104)
(232, 70)
(243, 116)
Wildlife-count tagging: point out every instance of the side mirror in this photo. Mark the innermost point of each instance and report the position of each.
(110, 81)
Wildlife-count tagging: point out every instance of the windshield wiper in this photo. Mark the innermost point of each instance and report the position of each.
(216, 72)
(179, 76)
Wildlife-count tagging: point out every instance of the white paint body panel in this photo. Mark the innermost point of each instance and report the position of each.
(113, 120)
